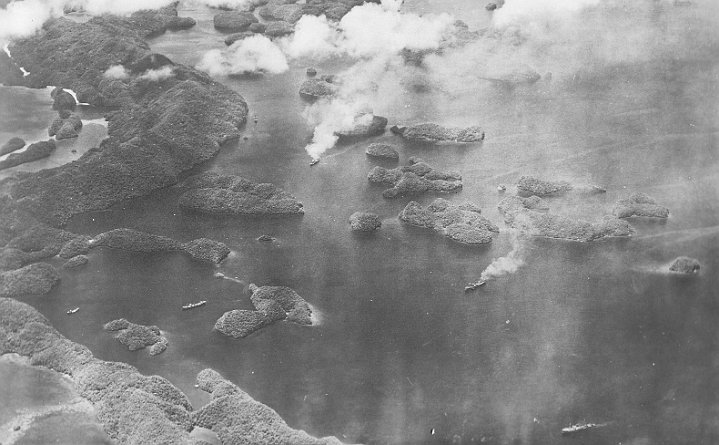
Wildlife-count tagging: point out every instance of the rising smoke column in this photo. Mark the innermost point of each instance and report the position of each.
(373, 35)
(353, 102)
(509, 263)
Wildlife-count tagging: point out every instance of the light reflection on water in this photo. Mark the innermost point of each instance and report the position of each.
(581, 332)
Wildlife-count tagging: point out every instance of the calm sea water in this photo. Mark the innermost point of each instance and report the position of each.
(591, 332)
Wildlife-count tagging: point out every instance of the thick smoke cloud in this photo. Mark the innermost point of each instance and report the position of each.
(314, 37)
(255, 54)
(374, 35)
(370, 30)
(23, 18)
(509, 263)
(534, 15)
(567, 37)
(117, 72)
(527, 40)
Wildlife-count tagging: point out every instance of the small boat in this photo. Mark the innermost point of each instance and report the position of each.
(579, 427)
(473, 286)
(72, 311)
(314, 162)
(501, 188)
(194, 305)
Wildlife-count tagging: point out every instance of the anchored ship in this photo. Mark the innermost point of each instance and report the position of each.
(194, 305)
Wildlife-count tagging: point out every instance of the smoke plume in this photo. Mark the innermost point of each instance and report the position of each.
(23, 18)
(374, 36)
(567, 37)
(370, 30)
(509, 263)
(536, 15)
(254, 54)
(117, 72)
(314, 37)
(157, 75)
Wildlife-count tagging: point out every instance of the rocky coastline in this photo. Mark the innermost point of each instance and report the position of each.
(26, 246)
(135, 408)
(201, 249)
(530, 186)
(685, 265)
(33, 279)
(66, 126)
(365, 125)
(164, 120)
(13, 144)
(364, 222)
(531, 215)
(430, 133)
(382, 151)
(416, 178)
(314, 89)
(462, 223)
(237, 418)
(34, 152)
(228, 195)
(272, 304)
(639, 204)
(159, 128)
(137, 336)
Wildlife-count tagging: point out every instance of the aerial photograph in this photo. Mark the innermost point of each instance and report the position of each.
(344, 222)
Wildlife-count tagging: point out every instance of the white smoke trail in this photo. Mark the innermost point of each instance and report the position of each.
(351, 105)
(373, 34)
(509, 263)
(159, 74)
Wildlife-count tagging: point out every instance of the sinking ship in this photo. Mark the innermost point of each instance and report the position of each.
(194, 305)
(473, 286)
(580, 427)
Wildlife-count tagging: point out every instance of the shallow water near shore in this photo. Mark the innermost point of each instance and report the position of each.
(591, 331)
(41, 406)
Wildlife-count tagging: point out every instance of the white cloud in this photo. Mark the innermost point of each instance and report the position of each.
(159, 74)
(255, 54)
(116, 72)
